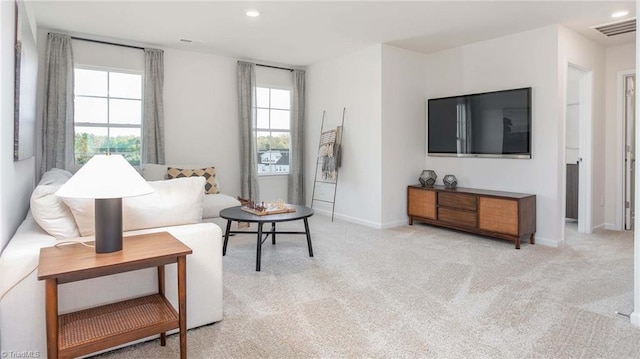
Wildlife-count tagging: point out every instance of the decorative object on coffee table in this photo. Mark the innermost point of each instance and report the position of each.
(428, 178)
(450, 181)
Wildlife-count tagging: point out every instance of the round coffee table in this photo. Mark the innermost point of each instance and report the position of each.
(238, 215)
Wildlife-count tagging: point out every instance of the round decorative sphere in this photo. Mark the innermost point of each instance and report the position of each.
(428, 178)
(450, 181)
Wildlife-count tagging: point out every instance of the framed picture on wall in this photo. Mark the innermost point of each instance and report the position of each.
(26, 72)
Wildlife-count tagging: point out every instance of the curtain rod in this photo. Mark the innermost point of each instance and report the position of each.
(275, 67)
(106, 43)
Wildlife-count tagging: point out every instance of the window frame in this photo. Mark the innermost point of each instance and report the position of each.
(108, 125)
(257, 129)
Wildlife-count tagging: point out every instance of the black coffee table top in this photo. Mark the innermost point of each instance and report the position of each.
(236, 214)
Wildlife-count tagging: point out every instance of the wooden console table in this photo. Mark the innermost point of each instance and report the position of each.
(90, 330)
(505, 215)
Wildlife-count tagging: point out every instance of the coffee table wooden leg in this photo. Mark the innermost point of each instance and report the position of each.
(306, 229)
(182, 304)
(226, 237)
(259, 249)
(273, 233)
(51, 307)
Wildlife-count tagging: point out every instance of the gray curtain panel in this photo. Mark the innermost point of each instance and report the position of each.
(57, 128)
(296, 192)
(246, 115)
(153, 122)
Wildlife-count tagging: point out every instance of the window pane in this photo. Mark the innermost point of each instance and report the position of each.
(280, 120)
(263, 118)
(90, 82)
(262, 140)
(126, 142)
(280, 141)
(281, 99)
(262, 97)
(88, 142)
(125, 85)
(90, 109)
(125, 112)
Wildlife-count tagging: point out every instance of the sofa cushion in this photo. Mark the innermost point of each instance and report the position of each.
(48, 210)
(209, 173)
(172, 203)
(215, 203)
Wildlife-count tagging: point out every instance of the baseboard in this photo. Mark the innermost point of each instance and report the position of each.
(398, 223)
(346, 218)
(611, 227)
(600, 226)
(635, 318)
(555, 243)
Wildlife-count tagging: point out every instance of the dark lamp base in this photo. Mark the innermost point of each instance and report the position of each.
(108, 225)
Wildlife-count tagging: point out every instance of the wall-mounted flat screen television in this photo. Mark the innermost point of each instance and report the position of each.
(490, 124)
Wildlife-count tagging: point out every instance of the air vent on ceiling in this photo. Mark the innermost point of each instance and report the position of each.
(617, 28)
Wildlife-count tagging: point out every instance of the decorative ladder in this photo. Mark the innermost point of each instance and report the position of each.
(319, 163)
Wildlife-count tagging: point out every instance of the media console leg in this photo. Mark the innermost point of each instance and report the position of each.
(518, 243)
(411, 221)
(532, 240)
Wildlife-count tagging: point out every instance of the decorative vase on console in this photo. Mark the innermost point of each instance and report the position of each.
(428, 178)
(450, 181)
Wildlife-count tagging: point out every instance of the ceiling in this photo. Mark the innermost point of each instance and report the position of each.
(301, 33)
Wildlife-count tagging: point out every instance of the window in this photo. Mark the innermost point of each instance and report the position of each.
(273, 130)
(108, 114)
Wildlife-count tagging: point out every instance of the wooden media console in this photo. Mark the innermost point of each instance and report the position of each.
(505, 215)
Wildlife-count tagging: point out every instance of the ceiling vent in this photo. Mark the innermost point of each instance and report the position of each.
(617, 28)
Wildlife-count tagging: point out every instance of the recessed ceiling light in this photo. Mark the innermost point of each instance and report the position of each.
(253, 13)
(620, 13)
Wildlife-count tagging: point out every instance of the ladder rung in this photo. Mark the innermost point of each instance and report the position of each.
(322, 200)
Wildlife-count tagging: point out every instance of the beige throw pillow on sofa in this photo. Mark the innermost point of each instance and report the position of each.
(172, 203)
(48, 210)
(209, 173)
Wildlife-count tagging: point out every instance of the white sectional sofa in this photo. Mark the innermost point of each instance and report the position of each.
(22, 297)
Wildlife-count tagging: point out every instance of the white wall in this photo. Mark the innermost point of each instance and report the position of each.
(527, 59)
(17, 178)
(201, 114)
(619, 58)
(352, 81)
(578, 50)
(403, 128)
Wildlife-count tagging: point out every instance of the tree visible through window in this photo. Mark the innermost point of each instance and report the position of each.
(273, 130)
(108, 114)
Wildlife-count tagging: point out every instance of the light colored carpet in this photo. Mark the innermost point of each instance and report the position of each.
(418, 291)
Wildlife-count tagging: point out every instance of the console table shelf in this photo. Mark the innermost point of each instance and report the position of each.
(505, 215)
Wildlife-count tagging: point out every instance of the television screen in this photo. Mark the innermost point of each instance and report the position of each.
(491, 124)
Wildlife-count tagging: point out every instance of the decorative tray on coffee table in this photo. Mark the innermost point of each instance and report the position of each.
(266, 208)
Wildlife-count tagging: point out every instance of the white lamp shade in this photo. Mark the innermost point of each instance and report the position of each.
(105, 176)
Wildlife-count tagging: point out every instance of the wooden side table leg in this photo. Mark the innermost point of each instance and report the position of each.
(51, 306)
(182, 304)
(163, 336)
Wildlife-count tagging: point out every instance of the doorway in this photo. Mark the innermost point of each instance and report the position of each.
(578, 147)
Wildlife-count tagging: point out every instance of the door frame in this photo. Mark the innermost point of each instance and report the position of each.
(585, 152)
(621, 128)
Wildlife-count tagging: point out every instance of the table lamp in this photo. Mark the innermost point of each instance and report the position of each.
(106, 179)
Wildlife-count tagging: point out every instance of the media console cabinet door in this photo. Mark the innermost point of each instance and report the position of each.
(422, 203)
(498, 215)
